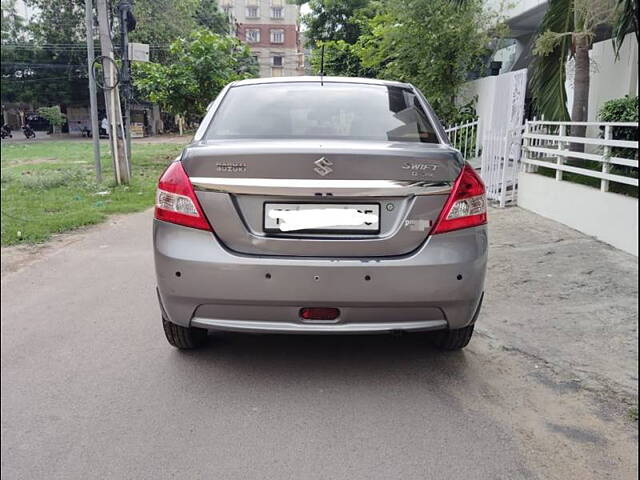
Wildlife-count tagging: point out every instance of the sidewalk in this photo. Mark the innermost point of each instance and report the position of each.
(563, 297)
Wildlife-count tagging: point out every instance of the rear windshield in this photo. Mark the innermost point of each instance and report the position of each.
(331, 111)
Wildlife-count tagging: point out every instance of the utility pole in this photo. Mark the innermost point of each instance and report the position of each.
(127, 23)
(112, 99)
(93, 99)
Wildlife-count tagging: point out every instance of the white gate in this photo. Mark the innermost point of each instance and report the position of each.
(502, 141)
(500, 165)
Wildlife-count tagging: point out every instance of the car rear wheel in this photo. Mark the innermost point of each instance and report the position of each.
(453, 339)
(457, 338)
(182, 337)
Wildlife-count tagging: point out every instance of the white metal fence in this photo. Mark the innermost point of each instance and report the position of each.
(553, 178)
(464, 137)
(546, 144)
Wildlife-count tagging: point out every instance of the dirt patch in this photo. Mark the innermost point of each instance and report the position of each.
(166, 138)
(33, 161)
(16, 257)
(564, 432)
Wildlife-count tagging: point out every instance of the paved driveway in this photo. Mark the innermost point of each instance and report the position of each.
(90, 389)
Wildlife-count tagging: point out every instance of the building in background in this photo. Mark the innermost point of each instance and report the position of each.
(271, 28)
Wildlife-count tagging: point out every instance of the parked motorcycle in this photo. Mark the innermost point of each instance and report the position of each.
(5, 131)
(28, 132)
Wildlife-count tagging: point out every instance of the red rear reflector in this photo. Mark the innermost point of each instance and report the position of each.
(319, 313)
(176, 202)
(467, 204)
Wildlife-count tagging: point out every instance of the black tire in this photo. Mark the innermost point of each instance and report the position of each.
(458, 338)
(182, 337)
(453, 339)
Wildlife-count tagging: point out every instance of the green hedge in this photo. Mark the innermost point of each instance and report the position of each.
(623, 109)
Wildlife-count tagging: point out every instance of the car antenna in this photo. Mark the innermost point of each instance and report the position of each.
(321, 64)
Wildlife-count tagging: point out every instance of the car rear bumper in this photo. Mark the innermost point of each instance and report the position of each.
(201, 283)
(254, 326)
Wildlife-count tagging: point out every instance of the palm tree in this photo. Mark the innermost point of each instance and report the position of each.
(627, 18)
(567, 30)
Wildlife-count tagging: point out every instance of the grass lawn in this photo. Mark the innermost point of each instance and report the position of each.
(49, 187)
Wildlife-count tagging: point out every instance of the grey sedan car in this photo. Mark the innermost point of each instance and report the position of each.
(320, 206)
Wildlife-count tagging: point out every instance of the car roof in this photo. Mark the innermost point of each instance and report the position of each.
(318, 79)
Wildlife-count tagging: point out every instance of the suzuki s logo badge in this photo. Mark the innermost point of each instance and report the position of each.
(323, 166)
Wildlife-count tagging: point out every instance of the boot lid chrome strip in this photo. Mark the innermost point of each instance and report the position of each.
(305, 187)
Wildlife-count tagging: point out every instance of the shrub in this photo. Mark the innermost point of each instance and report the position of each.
(622, 110)
(463, 113)
(53, 115)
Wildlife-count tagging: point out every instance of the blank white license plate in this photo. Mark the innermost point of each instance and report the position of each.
(322, 217)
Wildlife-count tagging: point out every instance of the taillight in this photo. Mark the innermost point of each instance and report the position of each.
(176, 202)
(466, 206)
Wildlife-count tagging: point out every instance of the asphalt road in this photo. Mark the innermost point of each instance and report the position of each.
(91, 389)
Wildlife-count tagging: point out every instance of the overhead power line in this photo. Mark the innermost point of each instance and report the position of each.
(43, 65)
(49, 79)
(64, 45)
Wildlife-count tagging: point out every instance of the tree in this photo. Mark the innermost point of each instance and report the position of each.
(340, 58)
(209, 16)
(567, 30)
(337, 25)
(45, 63)
(333, 20)
(433, 44)
(201, 65)
(160, 22)
(430, 43)
(40, 64)
(32, 75)
(59, 22)
(13, 28)
(53, 115)
(626, 20)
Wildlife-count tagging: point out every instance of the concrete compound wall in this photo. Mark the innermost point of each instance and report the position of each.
(610, 217)
(485, 91)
